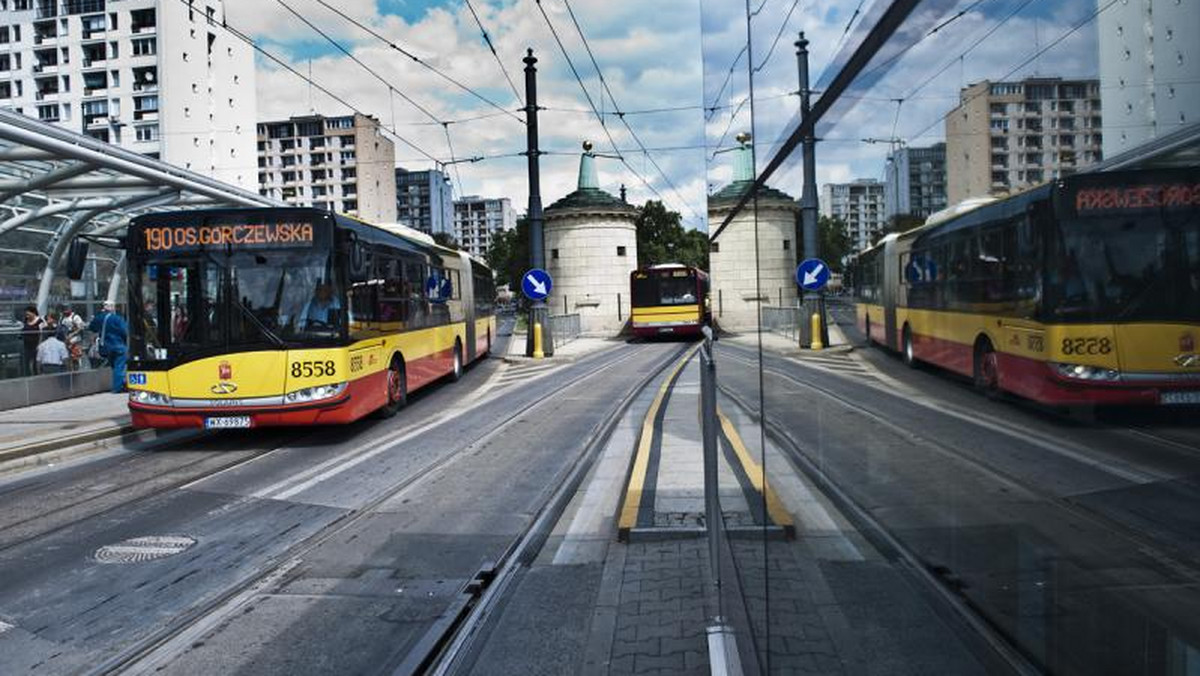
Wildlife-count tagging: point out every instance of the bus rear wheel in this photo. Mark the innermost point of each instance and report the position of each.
(987, 369)
(397, 389)
(906, 347)
(457, 371)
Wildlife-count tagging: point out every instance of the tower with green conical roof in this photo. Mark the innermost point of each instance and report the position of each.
(591, 249)
(753, 259)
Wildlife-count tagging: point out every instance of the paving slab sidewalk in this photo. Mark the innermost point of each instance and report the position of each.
(52, 425)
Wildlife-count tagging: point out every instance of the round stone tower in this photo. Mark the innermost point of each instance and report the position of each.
(591, 248)
(753, 260)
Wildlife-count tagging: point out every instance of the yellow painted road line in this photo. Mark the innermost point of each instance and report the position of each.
(641, 462)
(775, 509)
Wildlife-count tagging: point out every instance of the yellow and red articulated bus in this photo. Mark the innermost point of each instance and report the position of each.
(668, 299)
(1083, 291)
(256, 317)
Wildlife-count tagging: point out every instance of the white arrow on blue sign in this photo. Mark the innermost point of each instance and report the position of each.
(437, 289)
(812, 274)
(536, 284)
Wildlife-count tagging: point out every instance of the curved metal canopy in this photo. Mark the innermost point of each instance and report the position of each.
(61, 184)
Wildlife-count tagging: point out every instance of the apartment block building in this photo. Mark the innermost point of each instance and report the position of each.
(860, 204)
(158, 77)
(1149, 70)
(342, 164)
(425, 201)
(1005, 137)
(915, 181)
(477, 218)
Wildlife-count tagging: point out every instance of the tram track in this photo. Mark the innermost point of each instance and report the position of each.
(968, 611)
(176, 635)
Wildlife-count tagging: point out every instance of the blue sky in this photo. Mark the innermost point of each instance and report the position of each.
(660, 54)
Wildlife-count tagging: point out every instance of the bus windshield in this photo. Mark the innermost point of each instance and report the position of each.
(203, 302)
(1125, 268)
(674, 288)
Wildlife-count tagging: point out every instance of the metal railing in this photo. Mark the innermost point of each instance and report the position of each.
(564, 328)
(786, 321)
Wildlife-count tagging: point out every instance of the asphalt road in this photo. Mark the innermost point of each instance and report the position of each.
(1075, 539)
(292, 552)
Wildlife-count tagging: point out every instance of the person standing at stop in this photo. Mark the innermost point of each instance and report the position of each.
(113, 333)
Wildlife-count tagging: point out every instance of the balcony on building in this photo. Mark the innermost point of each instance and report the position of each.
(44, 31)
(46, 87)
(96, 53)
(95, 113)
(45, 60)
(145, 108)
(145, 79)
(143, 21)
(94, 27)
(95, 82)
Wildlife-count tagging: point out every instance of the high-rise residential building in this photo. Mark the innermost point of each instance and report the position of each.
(158, 77)
(425, 201)
(477, 218)
(915, 183)
(858, 203)
(342, 163)
(1149, 70)
(1005, 137)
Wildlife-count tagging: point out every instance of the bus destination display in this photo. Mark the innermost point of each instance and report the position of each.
(1127, 198)
(242, 235)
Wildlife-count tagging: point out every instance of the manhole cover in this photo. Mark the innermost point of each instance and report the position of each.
(149, 548)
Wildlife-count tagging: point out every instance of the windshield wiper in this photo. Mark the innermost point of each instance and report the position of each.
(274, 339)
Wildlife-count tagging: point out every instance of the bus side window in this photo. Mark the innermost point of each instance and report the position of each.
(393, 306)
(415, 274)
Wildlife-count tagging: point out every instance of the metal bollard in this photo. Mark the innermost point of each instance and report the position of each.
(537, 341)
(816, 332)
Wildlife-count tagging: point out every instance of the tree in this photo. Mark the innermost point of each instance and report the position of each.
(446, 239)
(833, 237)
(661, 238)
(508, 254)
(897, 223)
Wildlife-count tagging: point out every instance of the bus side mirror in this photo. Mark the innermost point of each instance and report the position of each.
(77, 259)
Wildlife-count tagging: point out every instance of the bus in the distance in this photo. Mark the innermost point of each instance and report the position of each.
(668, 299)
(1083, 291)
(258, 317)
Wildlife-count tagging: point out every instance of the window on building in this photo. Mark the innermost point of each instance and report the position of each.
(288, 160)
(143, 20)
(554, 254)
(145, 47)
(349, 205)
(289, 176)
(348, 155)
(349, 173)
(48, 113)
(146, 133)
(714, 247)
(346, 141)
(620, 251)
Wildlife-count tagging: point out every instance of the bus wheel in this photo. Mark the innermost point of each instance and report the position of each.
(987, 368)
(457, 371)
(907, 347)
(397, 389)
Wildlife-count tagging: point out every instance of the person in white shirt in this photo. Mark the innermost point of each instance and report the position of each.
(52, 354)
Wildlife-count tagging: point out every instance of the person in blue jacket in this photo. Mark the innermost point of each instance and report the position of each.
(113, 333)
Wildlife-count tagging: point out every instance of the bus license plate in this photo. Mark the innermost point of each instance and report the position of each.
(227, 422)
(1190, 397)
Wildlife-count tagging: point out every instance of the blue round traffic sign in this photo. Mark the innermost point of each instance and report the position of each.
(536, 284)
(438, 289)
(812, 274)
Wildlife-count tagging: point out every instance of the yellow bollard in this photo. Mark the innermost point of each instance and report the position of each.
(537, 341)
(816, 333)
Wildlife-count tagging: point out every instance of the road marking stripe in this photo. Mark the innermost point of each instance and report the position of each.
(637, 478)
(758, 478)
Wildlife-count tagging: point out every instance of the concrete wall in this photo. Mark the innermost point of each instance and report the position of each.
(748, 271)
(20, 392)
(376, 160)
(588, 274)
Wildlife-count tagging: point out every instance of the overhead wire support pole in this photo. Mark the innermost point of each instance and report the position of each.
(538, 312)
(813, 301)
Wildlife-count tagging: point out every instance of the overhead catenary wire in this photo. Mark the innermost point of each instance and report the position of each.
(487, 39)
(408, 53)
(621, 116)
(323, 89)
(782, 27)
(1036, 55)
(587, 95)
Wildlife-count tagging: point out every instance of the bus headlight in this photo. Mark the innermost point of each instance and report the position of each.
(149, 398)
(317, 393)
(1083, 372)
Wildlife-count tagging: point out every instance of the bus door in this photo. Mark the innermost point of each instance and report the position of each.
(466, 283)
(890, 291)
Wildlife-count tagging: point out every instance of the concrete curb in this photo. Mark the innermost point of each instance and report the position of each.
(65, 441)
